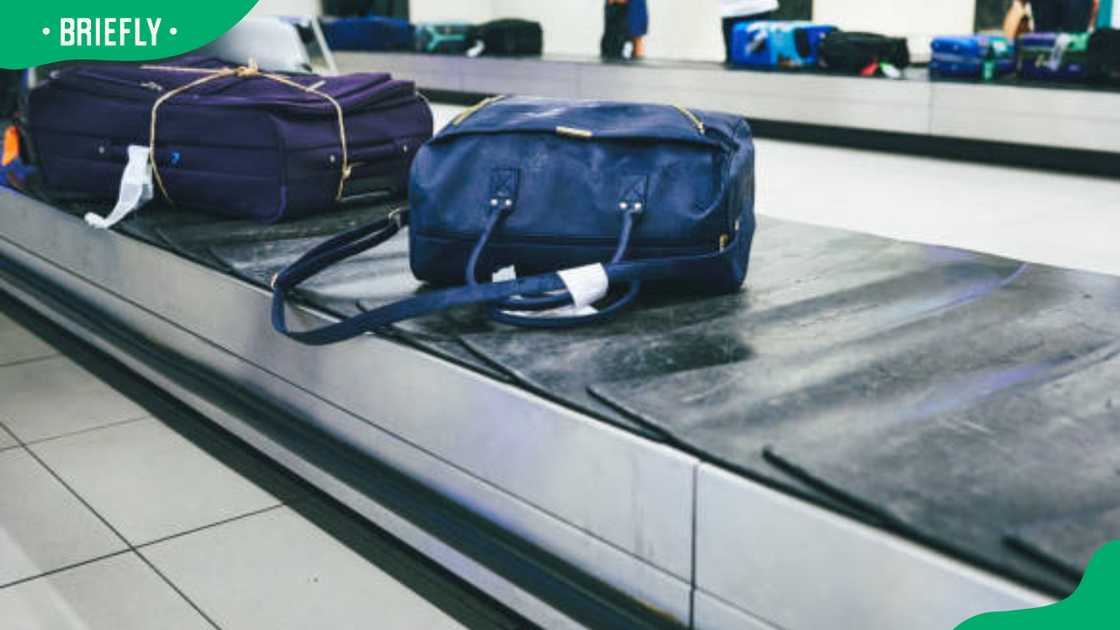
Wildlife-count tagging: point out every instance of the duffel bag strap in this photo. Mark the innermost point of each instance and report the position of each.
(367, 237)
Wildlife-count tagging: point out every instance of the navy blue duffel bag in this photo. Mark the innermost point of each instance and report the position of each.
(615, 195)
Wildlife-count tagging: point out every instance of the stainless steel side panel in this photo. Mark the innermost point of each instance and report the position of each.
(801, 567)
(710, 612)
(1077, 119)
(615, 505)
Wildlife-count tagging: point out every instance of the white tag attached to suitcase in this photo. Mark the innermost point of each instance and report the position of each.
(136, 189)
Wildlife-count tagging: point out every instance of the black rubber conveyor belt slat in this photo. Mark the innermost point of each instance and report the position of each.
(954, 396)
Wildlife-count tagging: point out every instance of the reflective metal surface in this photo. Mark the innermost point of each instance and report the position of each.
(1060, 118)
(613, 504)
(803, 567)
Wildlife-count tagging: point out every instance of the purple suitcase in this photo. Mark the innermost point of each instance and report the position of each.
(244, 146)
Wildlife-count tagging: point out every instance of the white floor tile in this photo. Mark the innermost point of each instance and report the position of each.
(52, 397)
(278, 571)
(117, 593)
(150, 482)
(42, 526)
(19, 344)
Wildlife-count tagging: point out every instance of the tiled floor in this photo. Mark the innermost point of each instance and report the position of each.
(114, 518)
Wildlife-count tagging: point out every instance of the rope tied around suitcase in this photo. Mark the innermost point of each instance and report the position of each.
(242, 72)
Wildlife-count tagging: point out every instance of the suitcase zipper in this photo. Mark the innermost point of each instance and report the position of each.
(470, 111)
(693, 118)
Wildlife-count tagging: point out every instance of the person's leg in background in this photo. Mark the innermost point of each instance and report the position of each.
(1076, 15)
(1047, 15)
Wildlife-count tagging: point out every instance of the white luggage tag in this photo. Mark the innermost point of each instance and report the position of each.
(136, 189)
(1062, 42)
(586, 285)
(477, 50)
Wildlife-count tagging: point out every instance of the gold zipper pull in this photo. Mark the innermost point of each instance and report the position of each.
(470, 111)
(572, 132)
(693, 118)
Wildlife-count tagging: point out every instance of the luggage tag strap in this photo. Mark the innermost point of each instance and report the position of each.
(243, 72)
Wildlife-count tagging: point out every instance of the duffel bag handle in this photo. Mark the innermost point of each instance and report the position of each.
(504, 185)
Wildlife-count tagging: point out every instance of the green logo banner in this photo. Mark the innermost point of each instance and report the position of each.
(37, 32)
(1095, 605)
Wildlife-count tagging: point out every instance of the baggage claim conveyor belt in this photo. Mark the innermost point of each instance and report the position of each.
(878, 432)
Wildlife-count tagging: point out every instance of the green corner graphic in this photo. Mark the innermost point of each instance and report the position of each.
(37, 33)
(1095, 605)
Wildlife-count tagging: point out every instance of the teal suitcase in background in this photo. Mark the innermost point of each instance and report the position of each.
(454, 38)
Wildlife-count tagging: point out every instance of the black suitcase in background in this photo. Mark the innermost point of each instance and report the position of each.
(511, 37)
(1104, 56)
(354, 8)
(861, 53)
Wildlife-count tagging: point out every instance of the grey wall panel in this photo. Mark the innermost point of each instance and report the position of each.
(801, 567)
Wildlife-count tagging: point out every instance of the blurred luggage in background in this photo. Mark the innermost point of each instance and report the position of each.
(616, 31)
(864, 54)
(237, 142)
(972, 57)
(777, 44)
(1054, 56)
(13, 154)
(511, 37)
(447, 38)
(1104, 56)
(352, 8)
(369, 32)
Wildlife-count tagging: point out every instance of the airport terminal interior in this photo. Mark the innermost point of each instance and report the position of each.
(902, 419)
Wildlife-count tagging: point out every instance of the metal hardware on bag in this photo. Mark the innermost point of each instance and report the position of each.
(693, 118)
(572, 132)
(472, 110)
(724, 241)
